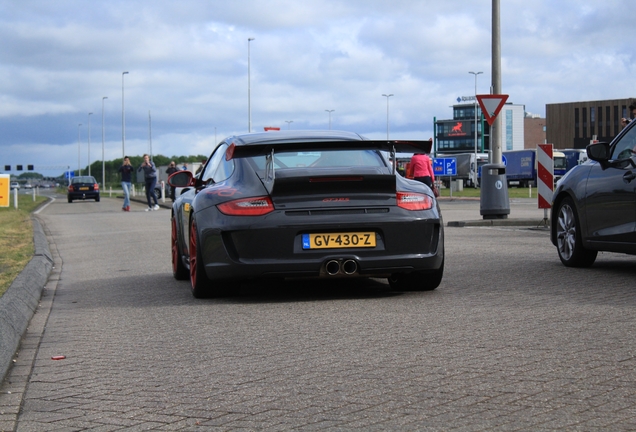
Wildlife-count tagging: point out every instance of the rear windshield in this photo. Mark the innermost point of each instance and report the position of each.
(83, 179)
(323, 159)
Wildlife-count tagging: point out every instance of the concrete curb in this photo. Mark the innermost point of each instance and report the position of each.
(537, 223)
(19, 302)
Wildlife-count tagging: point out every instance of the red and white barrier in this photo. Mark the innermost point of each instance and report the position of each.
(545, 175)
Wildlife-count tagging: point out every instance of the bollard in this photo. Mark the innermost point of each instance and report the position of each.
(110, 191)
(33, 194)
(163, 191)
(15, 198)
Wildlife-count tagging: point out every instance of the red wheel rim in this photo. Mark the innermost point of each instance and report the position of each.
(175, 249)
(193, 254)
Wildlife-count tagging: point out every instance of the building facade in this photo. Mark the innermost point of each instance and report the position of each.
(457, 135)
(534, 131)
(575, 124)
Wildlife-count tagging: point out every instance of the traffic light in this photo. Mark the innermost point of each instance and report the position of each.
(7, 167)
(30, 167)
(18, 167)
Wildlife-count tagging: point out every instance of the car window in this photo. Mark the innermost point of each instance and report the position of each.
(626, 147)
(218, 169)
(83, 179)
(323, 159)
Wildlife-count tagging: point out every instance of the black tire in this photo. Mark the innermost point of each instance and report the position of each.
(568, 236)
(70, 200)
(417, 281)
(96, 199)
(179, 270)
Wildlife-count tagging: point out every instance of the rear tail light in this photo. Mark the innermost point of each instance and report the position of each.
(257, 206)
(414, 201)
(96, 186)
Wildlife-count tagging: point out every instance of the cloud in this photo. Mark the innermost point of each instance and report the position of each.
(187, 64)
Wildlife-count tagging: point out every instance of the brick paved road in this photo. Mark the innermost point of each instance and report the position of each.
(511, 340)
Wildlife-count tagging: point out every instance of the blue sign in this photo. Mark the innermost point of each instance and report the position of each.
(445, 167)
(504, 160)
(69, 174)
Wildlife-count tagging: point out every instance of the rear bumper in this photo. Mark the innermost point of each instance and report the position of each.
(83, 195)
(274, 248)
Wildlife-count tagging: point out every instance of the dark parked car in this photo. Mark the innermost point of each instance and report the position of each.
(83, 187)
(594, 204)
(305, 204)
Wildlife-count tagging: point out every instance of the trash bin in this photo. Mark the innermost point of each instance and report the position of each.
(494, 203)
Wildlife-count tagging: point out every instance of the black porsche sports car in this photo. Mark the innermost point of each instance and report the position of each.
(594, 206)
(305, 204)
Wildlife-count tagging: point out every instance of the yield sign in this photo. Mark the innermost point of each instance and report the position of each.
(491, 105)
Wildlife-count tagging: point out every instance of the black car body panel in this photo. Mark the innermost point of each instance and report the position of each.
(338, 197)
(603, 192)
(82, 188)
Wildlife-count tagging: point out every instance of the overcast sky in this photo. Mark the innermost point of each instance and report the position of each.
(188, 68)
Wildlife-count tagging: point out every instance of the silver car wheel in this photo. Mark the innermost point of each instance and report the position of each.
(566, 232)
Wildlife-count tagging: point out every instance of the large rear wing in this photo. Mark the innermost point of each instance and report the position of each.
(262, 149)
(269, 148)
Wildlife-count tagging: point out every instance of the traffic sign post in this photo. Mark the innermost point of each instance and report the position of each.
(494, 203)
(491, 105)
(5, 191)
(445, 167)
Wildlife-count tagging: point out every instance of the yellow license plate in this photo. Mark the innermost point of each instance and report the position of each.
(339, 240)
(84, 188)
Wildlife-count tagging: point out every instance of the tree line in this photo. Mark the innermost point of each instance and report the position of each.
(111, 168)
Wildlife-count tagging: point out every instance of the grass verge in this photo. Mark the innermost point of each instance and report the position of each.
(16, 238)
(513, 192)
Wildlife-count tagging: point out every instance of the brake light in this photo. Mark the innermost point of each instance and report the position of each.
(257, 206)
(414, 201)
(96, 186)
(70, 188)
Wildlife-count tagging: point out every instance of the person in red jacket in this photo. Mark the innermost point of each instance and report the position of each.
(422, 167)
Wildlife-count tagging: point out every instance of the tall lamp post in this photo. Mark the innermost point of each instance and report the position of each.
(288, 123)
(103, 160)
(387, 114)
(330, 111)
(123, 119)
(249, 90)
(476, 128)
(89, 143)
(79, 148)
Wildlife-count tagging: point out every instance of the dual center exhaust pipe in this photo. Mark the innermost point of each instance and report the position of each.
(341, 266)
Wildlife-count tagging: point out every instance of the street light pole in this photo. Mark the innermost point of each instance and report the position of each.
(330, 111)
(103, 160)
(387, 114)
(123, 119)
(249, 90)
(89, 143)
(79, 147)
(475, 170)
(288, 122)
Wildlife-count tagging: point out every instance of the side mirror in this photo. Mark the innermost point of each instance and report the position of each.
(599, 152)
(181, 179)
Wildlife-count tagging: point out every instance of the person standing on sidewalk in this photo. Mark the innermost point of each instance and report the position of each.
(150, 179)
(126, 170)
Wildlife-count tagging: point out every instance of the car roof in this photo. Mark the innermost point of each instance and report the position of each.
(293, 136)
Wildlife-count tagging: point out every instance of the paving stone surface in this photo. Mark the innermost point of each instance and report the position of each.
(511, 340)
